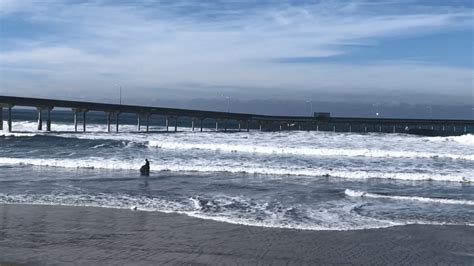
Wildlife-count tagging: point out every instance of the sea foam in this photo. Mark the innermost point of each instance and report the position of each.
(363, 194)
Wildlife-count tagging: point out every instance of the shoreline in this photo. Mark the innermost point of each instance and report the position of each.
(45, 234)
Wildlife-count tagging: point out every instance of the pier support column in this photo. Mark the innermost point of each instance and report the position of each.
(109, 118)
(240, 127)
(9, 106)
(202, 120)
(48, 119)
(84, 121)
(192, 124)
(225, 125)
(138, 122)
(76, 112)
(1, 117)
(248, 125)
(260, 126)
(75, 121)
(167, 123)
(217, 125)
(40, 118)
(117, 121)
(9, 118)
(175, 124)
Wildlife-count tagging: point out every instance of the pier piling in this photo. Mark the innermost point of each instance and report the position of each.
(109, 118)
(48, 119)
(75, 121)
(84, 121)
(40, 118)
(117, 121)
(138, 122)
(1, 117)
(10, 119)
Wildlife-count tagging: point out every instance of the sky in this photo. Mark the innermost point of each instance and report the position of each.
(416, 51)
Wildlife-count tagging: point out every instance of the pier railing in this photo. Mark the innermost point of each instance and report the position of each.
(244, 121)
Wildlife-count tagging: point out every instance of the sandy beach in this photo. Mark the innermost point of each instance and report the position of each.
(39, 235)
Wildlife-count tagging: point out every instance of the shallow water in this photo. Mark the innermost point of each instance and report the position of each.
(294, 179)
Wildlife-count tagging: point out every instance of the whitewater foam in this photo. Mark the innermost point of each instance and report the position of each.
(237, 167)
(259, 149)
(363, 194)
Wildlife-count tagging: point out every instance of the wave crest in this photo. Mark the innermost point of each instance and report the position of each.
(363, 194)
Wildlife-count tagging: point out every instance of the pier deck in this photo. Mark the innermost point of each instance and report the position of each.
(261, 122)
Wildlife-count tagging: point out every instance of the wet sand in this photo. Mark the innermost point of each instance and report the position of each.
(45, 235)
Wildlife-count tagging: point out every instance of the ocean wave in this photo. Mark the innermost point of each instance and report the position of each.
(217, 208)
(233, 148)
(464, 139)
(295, 143)
(237, 168)
(363, 194)
(333, 216)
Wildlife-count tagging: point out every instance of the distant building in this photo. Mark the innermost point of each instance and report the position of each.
(322, 114)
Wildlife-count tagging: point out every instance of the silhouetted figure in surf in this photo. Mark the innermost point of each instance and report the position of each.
(145, 169)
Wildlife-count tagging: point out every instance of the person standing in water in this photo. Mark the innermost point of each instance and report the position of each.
(145, 169)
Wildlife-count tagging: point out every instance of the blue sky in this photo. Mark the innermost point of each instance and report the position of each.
(393, 50)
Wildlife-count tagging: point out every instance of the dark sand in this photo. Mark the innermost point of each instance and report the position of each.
(96, 236)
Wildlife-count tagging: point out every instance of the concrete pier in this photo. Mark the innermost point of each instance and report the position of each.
(84, 112)
(48, 119)
(9, 107)
(117, 122)
(194, 119)
(40, 119)
(10, 118)
(261, 122)
(109, 118)
(138, 123)
(75, 121)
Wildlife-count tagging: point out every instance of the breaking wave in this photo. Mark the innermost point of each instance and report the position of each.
(363, 194)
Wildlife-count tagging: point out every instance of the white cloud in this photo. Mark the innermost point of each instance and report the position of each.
(97, 45)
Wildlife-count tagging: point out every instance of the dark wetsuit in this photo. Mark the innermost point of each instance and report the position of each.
(145, 169)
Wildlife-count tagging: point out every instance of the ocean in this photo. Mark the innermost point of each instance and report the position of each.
(290, 179)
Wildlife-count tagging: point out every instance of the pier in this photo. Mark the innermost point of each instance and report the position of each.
(245, 122)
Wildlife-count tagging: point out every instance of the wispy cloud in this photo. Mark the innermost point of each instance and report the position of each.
(172, 44)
